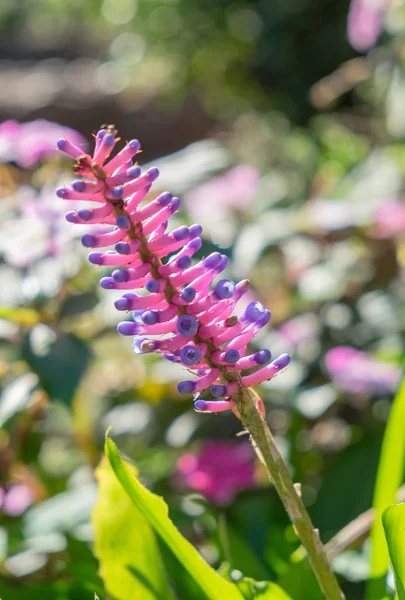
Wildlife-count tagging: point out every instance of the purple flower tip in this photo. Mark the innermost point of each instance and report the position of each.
(134, 145)
(218, 390)
(120, 275)
(137, 315)
(109, 139)
(123, 222)
(255, 311)
(117, 192)
(134, 172)
(186, 387)
(195, 244)
(175, 204)
(200, 405)
(190, 355)
(187, 325)
(188, 294)
(195, 230)
(107, 283)
(61, 143)
(122, 303)
(89, 241)
(164, 199)
(71, 217)
(180, 233)
(150, 317)
(153, 173)
(282, 361)
(262, 357)
(152, 286)
(122, 248)
(61, 192)
(127, 328)
(212, 260)
(96, 258)
(224, 289)
(184, 262)
(79, 186)
(85, 214)
(232, 356)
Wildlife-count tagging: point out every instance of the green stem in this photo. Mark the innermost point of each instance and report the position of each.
(267, 451)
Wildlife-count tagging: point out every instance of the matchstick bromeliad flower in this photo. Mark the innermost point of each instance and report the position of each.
(184, 313)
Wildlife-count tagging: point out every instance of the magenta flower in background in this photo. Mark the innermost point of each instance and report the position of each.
(27, 143)
(365, 23)
(218, 471)
(390, 219)
(15, 501)
(358, 372)
(182, 313)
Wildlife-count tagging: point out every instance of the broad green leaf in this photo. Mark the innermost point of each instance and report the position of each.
(394, 526)
(155, 510)
(125, 544)
(272, 591)
(389, 478)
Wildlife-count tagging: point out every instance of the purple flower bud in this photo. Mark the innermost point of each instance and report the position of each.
(150, 317)
(184, 262)
(186, 387)
(139, 344)
(262, 357)
(153, 173)
(96, 258)
(79, 186)
(89, 241)
(109, 139)
(231, 356)
(195, 230)
(224, 289)
(71, 217)
(62, 192)
(187, 325)
(180, 233)
(85, 214)
(122, 248)
(218, 390)
(122, 303)
(120, 275)
(123, 222)
(107, 283)
(254, 311)
(134, 172)
(282, 361)
(190, 355)
(117, 192)
(212, 260)
(128, 328)
(164, 199)
(152, 286)
(188, 294)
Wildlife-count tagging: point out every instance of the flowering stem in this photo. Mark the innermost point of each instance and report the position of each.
(268, 453)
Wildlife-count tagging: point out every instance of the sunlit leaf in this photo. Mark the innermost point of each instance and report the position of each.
(125, 544)
(155, 511)
(389, 478)
(394, 526)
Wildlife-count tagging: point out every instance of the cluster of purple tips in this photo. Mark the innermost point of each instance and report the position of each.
(191, 314)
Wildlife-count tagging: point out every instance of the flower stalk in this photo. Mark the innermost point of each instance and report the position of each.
(270, 456)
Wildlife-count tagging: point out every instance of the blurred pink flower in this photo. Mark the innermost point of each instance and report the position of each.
(390, 219)
(365, 23)
(358, 372)
(26, 143)
(215, 203)
(218, 471)
(16, 499)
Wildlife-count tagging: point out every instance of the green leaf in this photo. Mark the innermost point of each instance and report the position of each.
(389, 478)
(394, 526)
(125, 544)
(155, 511)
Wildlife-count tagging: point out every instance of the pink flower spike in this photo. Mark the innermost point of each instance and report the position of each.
(214, 406)
(104, 148)
(102, 240)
